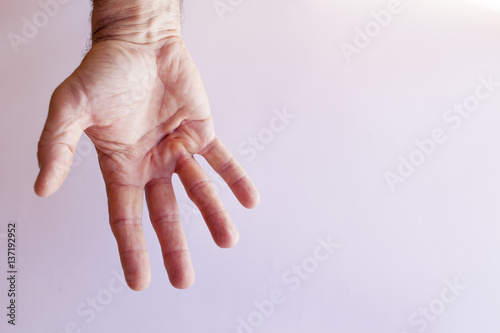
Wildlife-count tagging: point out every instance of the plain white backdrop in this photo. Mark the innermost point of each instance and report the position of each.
(423, 257)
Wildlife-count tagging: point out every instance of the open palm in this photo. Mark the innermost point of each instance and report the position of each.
(145, 109)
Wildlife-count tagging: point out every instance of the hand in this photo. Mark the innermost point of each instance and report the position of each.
(145, 109)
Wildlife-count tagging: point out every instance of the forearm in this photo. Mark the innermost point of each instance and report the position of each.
(136, 21)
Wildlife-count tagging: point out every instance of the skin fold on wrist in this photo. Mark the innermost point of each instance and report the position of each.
(135, 21)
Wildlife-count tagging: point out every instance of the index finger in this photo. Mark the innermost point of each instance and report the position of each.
(125, 218)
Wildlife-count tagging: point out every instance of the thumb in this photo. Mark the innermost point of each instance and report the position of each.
(58, 141)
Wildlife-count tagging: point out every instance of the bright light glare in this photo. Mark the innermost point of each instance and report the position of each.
(491, 4)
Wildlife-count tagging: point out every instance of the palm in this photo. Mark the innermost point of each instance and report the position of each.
(147, 113)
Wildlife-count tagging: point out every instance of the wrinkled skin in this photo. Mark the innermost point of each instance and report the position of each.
(146, 111)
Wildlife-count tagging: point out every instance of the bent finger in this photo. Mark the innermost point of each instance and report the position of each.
(226, 165)
(201, 191)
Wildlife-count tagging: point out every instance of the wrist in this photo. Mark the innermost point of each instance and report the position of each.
(135, 21)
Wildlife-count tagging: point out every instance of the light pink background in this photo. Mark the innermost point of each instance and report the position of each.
(322, 175)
